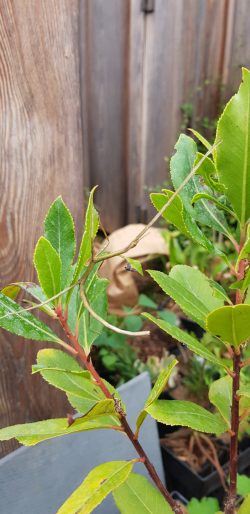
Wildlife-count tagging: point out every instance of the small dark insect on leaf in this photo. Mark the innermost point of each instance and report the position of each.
(128, 267)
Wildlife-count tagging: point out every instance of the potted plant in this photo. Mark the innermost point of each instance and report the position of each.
(74, 296)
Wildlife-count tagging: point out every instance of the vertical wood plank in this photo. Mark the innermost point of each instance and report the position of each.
(237, 44)
(41, 157)
(106, 25)
(181, 47)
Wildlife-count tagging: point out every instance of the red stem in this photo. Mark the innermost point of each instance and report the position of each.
(126, 427)
(235, 418)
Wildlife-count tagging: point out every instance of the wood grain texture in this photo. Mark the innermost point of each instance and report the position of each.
(105, 72)
(41, 157)
(176, 58)
(237, 45)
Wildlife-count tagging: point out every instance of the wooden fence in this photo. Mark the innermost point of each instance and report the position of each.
(91, 93)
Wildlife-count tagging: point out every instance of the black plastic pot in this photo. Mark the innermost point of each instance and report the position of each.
(179, 476)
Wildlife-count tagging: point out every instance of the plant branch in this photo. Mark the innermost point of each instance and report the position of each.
(135, 241)
(235, 417)
(177, 509)
(104, 322)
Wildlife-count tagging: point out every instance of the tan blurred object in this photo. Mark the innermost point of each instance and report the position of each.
(122, 289)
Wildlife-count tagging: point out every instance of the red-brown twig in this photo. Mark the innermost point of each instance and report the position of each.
(177, 509)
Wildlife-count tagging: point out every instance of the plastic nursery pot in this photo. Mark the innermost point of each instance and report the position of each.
(180, 477)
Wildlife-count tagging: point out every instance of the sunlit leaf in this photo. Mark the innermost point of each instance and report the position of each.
(101, 481)
(48, 266)
(60, 232)
(233, 154)
(186, 414)
(17, 321)
(138, 496)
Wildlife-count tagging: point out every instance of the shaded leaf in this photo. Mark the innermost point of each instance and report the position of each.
(145, 301)
(192, 344)
(138, 495)
(48, 266)
(186, 414)
(233, 154)
(180, 166)
(60, 232)
(89, 327)
(231, 323)
(17, 321)
(101, 481)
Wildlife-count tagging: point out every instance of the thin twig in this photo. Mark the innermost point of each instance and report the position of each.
(177, 509)
(136, 240)
(104, 322)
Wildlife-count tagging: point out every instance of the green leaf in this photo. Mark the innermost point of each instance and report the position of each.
(89, 327)
(168, 316)
(30, 434)
(135, 264)
(101, 481)
(230, 323)
(193, 294)
(22, 323)
(133, 323)
(48, 266)
(213, 199)
(145, 301)
(233, 154)
(247, 297)
(208, 172)
(244, 391)
(174, 213)
(186, 414)
(220, 395)
(37, 293)
(245, 250)
(201, 138)
(193, 344)
(138, 495)
(158, 388)
(60, 232)
(178, 216)
(161, 382)
(204, 506)
(243, 485)
(90, 229)
(219, 291)
(196, 283)
(11, 291)
(245, 506)
(63, 372)
(180, 166)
